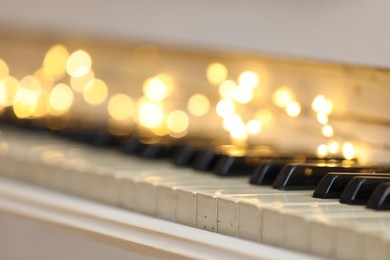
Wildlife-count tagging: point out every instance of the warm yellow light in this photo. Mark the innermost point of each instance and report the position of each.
(150, 115)
(4, 71)
(327, 131)
(55, 61)
(8, 90)
(248, 79)
(31, 83)
(61, 99)
(120, 107)
(178, 121)
(216, 73)
(243, 95)
(333, 147)
(198, 105)
(322, 118)
(323, 105)
(230, 121)
(78, 64)
(238, 132)
(348, 151)
(293, 109)
(264, 116)
(95, 92)
(282, 97)
(25, 103)
(41, 108)
(78, 84)
(155, 89)
(253, 127)
(44, 78)
(322, 151)
(225, 107)
(227, 88)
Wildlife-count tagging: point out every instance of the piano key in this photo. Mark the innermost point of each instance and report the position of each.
(206, 160)
(359, 189)
(308, 176)
(376, 245)
(266, 173)
(333, 184)
(380, 199)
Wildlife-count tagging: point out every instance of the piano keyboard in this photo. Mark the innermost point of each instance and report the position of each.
(229, 206)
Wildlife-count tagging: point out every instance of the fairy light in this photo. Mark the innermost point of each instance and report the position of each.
(322, 118)
(8, 90)
(78, 84)
(248, 79)
(322, 151)
(327, 131)
(225, 107)
(293, 109)
(95, 92)
(31, 83)
(198, 105)
(230, 121)
(42, 107)
(282, 97)
(61, 99)
(46, 80)
(178, 121)
(216, 73)
(238, 132)
(227, 89)
(4, 70)
(54, 63)
(253, 127)
(150, 115)
(348, 151)
(156, 88)
(243, 95)
(25, 103)
(333, 147)
(78, 64)
(120, 107)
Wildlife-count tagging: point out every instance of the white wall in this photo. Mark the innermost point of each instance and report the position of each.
(346, 31)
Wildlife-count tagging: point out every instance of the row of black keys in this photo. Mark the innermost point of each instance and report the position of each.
(357, 185)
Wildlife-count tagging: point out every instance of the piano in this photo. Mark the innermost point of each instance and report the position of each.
(85, 85)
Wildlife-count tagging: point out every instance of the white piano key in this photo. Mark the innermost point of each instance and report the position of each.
(249, 221)
(376, 245)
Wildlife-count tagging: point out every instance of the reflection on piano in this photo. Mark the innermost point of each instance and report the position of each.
(178, 135)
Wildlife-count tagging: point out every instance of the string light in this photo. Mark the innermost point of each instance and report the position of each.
(158, 88)
(178, 121)
(8, 90)
(78, 84)
(282, 97)
(78, 64)
(54, 63)
(4, 70)
(322, 151)
(243, 95)
(322, 118)
(198, 105)
(225, 107)
(61, 99)
(248, 79)
(333, 147)
(216, 73)
(348, 151)
(120, 107)
(25, 103)
(293, 109)
(150, 115)
(227, 89)
(95, 92)
(264, 116)
(253, 127)
(327, 131)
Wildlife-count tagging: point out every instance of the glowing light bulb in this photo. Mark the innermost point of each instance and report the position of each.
(282, 97)
(8, 89)
(230, 121)
(322, 118)
(198, 105)
(243, 95)
(227, 88)
(333, 147)
(150, 115)
(42, 106)
(120, 107)
(322, 105)
(327, 131)
(293, 109)
(78, 84)
(155, 89)
(178, 121)
(25, 103)
(54, 63)
(238, 132)
(61, 99)
(95, 92)
(348, 151)
(225, 107)
(31, 83)
(216, 73)
(78, 64)
(253, 127)
(322, 151)
(248, 79)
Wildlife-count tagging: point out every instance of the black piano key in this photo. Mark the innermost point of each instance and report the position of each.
(205, 160)
(157, 151)
(359, 189)
(266, 173)
(104, 139)
(334, 183)
(133, 145)
(234, 166)
(308, 176)
(185, 155)
(380, 197)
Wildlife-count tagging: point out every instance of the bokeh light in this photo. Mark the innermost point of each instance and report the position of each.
(78, 64)
(198, 105)
(120, 107)
(216, 73)
(95, 92)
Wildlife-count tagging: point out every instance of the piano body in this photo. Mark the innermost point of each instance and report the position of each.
(61, 199)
